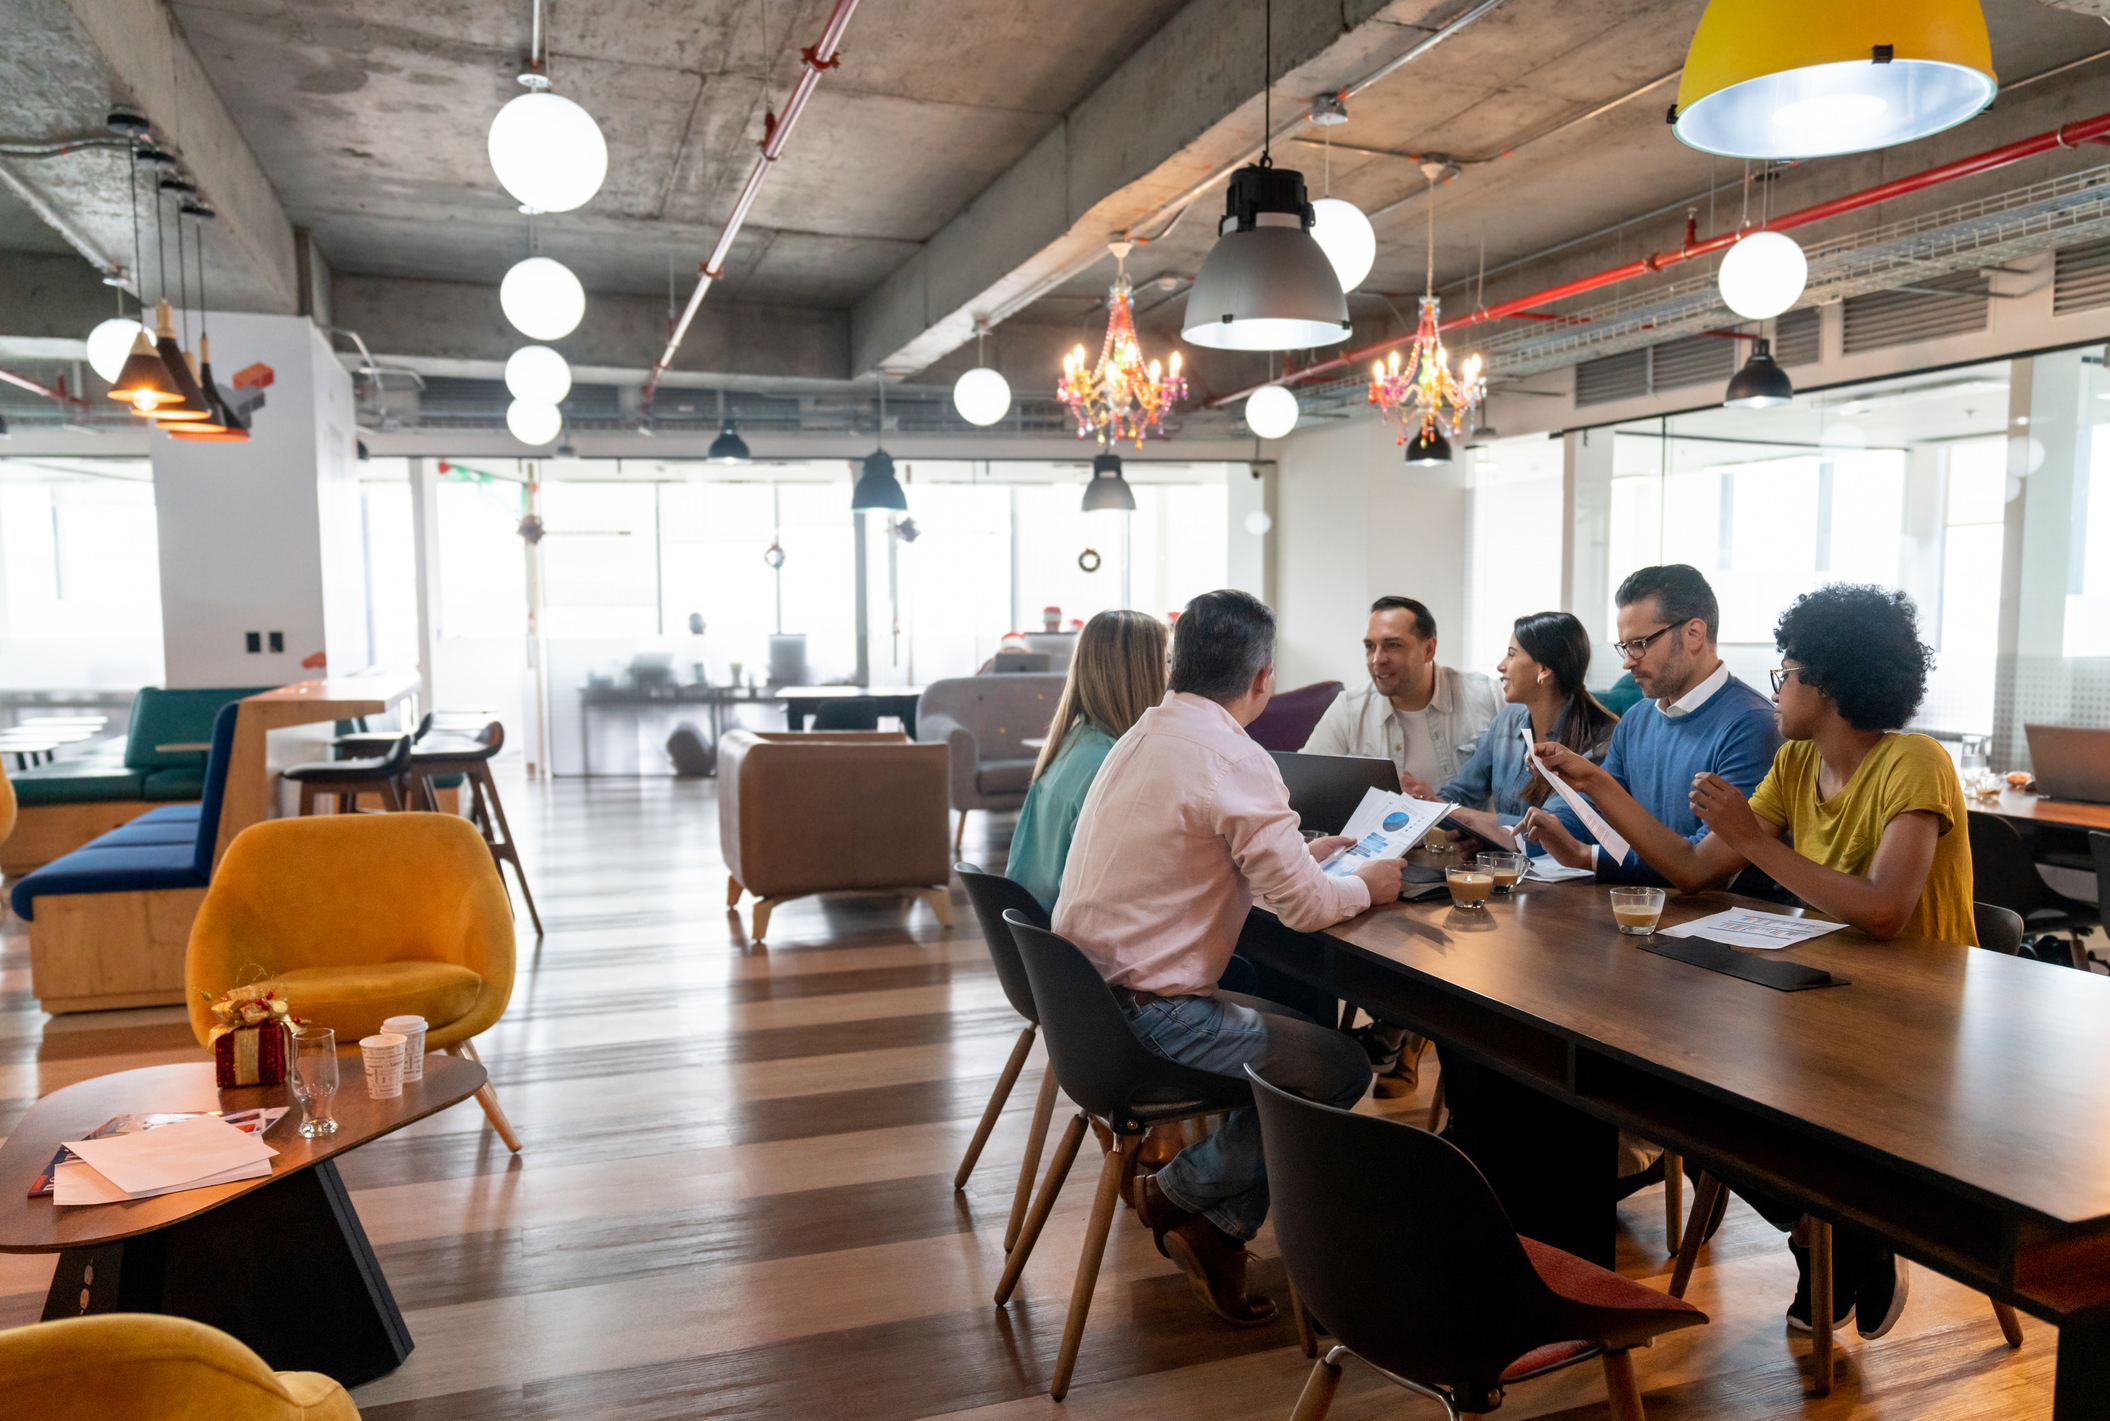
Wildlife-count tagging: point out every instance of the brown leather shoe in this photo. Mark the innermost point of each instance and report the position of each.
(1159, 1214)
(1215, 1267)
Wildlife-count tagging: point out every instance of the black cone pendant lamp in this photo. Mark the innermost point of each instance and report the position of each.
(728, 447)
(1108, 492)
(877, 489)
(1428, 447)
(1761, 384)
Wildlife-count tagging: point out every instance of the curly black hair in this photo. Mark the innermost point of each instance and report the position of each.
(1861, 646)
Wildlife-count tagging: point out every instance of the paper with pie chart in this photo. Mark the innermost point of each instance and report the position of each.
(1384, 826)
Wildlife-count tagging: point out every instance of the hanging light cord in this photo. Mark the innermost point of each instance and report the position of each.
(1267, 80)
(160, 254)
(138, 276)
(1431, 290)
(182, 275)
(200, 244)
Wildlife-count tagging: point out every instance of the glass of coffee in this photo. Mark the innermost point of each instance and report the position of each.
(1637, 909)
(1469, 884)
(1506, 869)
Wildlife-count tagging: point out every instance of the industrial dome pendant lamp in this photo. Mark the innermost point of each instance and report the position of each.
(1108, 492)
(1811, 78)
(1267, 285)
(1761, 384)
(877, 490)
(728, 447)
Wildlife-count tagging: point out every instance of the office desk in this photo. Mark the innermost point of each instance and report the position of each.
(2036, 809)
(803, 701)
(1951, 1099)
(714, 699)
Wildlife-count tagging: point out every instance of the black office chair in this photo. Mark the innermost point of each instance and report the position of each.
(991, 895)
(2000, 929)
(2004, 872)
(848, 713)
(379, 774)
(361, 743)
(1115, 1079)
(1398, 1246)
(2099, 850)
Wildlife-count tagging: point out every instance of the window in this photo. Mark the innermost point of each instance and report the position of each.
(1513, 565)
(80, 579)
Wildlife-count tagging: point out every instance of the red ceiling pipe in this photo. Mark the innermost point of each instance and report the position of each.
(776, 132)
(46, 391)
(2067, 135)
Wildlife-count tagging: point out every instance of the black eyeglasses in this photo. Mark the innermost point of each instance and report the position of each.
(1639, 645)
(1780, 676)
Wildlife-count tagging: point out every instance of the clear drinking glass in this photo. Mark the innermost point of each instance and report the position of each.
(1469, 885)
(1637, 909)
(315, 1078)
(1506, 869)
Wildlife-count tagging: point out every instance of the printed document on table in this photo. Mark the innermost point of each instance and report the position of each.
(1384, 826)
(1604, 833)
(173, 1157)
(1746, 927)
(1545, 869)
(75, 1184)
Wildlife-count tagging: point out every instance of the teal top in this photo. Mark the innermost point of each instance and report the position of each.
(1041, 843)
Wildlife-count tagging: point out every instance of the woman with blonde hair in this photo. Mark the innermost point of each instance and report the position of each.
(1116, 673)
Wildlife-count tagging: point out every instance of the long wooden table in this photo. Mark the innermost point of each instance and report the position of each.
(250, 778)
(1952, 1100)
(2036, 809)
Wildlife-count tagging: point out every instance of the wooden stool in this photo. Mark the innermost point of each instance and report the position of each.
(473, 760)
(348, 779)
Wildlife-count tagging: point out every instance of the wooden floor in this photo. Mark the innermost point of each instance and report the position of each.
(736, 1196)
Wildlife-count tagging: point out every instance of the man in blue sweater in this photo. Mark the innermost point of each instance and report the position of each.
(1695, 718)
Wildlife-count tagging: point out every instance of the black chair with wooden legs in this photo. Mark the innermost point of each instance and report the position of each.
(472, 760)
(992, 895)
(1399, 1248)
(1999, 930)
(1117, 1081)
(346, 780)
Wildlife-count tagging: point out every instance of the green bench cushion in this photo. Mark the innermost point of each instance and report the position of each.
(85, 786)
(182, 783)
(178, 717)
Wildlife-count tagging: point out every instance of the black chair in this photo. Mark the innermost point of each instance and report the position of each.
(2000, 929)
(471, 759)
(1398, 1246)
(2099, 850)
(992, 895)
(359, 742)
(1115, 1080)
(379, 774)
(848, 713)
(2004, 873)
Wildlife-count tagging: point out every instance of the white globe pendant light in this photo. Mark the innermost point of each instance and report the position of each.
(533, 422)
(1271, 411)
(537, 374)
(109, 344)
(1763, 275)
(1345, 235)
(982, 396)
(548, 152)
(542, 299)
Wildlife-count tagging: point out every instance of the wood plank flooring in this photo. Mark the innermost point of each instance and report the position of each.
(736, 1194)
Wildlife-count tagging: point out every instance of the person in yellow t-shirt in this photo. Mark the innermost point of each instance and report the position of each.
(1879, 840)
(1876, 818)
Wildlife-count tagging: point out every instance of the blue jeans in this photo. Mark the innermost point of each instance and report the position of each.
(1224, 1177)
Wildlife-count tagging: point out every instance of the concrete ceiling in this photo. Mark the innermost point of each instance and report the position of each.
(969, 158)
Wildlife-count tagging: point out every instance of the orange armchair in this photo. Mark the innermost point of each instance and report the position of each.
(146, 1367)
(357, 918)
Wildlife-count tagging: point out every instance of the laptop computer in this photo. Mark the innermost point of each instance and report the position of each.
(2071, 763)
(1325, 789)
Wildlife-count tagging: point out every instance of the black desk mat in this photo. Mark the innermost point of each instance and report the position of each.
(1777, 973)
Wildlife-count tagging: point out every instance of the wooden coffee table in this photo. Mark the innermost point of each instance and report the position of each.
(281, 1263)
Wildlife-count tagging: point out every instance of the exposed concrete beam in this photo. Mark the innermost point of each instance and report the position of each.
(49, 303)
(450, 320)
(64, 63)
(1185, 103)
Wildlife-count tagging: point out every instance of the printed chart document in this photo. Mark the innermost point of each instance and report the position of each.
(1604, 833)
(1546, 869)
(1384, 826)
(1747, 927)
(188, 1155)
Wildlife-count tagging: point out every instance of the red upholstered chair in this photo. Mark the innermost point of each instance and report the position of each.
(1291, 715)
(1397, 1245)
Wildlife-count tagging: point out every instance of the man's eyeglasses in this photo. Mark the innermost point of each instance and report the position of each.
(1780, 676)
(1637, 647)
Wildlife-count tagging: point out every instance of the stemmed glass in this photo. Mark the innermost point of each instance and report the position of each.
(315, 1078)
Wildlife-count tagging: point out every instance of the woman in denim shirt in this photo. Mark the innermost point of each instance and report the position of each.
(1542, 682)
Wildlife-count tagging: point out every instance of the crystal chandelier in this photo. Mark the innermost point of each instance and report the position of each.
(1420, 391)
(1121, 397)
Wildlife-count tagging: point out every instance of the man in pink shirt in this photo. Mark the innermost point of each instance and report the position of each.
(1186, 826)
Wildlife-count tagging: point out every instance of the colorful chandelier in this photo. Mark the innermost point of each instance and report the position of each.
(1122, 397)
(1420, 391)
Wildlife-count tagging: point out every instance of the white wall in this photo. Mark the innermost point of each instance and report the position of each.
(264, 536)
(1353, 523)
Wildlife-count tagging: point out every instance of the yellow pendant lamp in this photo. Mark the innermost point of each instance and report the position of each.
(1809, 78)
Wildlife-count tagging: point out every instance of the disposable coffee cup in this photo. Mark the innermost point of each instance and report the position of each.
(412, 1030)
(384, 1065)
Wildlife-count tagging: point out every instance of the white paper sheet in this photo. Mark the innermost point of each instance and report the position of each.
(1747, 927)
(1545, 869)
(1384, 825)
(1604, 833)
(75, 1184)
(153, 1161)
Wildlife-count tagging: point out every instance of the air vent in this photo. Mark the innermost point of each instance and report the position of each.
(1797, 337)
(1943, 306)
(2081, 278)
(1615, 377)
(1695, 360)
